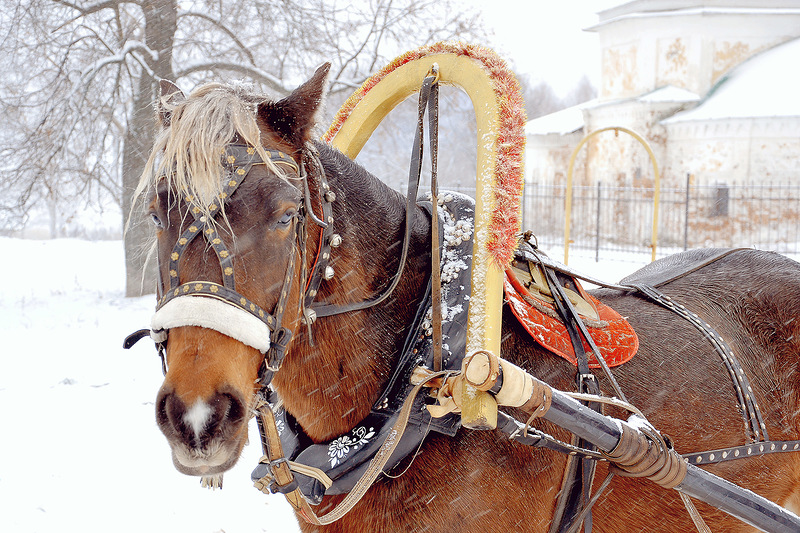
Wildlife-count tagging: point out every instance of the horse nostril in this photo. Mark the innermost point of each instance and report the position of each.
(161, 409)
(171, 416)
(235, 407)
(226, 414)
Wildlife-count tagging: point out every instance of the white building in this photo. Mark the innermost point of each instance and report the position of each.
(712, 85)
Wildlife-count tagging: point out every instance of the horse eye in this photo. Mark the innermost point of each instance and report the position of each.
(287, 217)
(156, 221)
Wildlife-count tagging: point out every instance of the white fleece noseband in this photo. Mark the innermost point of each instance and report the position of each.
(206, 312)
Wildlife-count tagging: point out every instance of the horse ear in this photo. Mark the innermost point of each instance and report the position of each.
(294, 117)
(169, 95)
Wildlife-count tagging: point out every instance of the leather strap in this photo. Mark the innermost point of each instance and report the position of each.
(740, 452)
(436, 248)
(323, 309)
(579, 473)
(283, 479)
(414, 175)
(751, 413)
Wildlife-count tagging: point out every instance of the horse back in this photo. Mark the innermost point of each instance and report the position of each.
(677, 379)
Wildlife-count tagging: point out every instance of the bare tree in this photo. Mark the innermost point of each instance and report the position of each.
(540, 98)
(583, 91)
(82, 77)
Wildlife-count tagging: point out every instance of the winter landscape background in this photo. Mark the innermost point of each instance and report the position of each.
(79, 447)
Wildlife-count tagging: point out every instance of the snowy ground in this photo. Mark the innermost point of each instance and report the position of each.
(79, 448)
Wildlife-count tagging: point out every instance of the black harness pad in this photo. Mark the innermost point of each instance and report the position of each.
(345, 458)
(670, 268)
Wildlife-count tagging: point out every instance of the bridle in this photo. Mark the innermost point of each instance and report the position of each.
(187, 302)
(222, 307)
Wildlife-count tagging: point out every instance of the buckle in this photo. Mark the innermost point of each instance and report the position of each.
(277, 349)
(267, 483)
(587, 383)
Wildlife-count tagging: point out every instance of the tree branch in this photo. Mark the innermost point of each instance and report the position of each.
(94, 8)
(129, 48)
(218, 23)
(257, 74)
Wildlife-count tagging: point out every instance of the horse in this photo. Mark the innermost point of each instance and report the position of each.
(334, 368)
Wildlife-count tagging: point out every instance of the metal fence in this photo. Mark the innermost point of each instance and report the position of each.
(608, 219)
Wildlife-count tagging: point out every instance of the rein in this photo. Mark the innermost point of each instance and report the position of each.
(428, 95)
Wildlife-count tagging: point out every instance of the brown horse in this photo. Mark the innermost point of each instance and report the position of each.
(476, 480)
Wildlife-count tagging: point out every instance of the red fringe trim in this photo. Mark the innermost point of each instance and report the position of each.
(509, 145)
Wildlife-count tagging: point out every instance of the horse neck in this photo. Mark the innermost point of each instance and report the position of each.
(331, 385)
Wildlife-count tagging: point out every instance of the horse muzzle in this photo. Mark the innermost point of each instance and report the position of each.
(207, 436)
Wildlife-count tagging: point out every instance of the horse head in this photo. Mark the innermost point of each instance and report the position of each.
(227, 168)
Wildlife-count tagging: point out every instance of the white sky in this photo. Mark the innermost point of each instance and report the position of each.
(545, 38)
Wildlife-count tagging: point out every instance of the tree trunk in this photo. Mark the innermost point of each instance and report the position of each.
(160, 27)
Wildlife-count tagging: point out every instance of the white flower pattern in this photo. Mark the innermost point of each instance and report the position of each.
(339, 448)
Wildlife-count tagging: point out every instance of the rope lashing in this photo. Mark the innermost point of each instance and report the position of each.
(511, 385)
(642, 452)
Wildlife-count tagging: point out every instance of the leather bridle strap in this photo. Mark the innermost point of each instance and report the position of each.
(414, 175)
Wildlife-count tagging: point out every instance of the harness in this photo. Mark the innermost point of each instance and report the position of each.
(345, 459)
(222, 308)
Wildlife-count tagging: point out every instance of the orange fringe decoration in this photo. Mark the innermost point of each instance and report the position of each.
(509, 145)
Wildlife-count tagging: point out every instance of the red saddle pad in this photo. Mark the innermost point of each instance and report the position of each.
(612, 334)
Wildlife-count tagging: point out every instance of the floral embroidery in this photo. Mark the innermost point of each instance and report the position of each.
(339, 448)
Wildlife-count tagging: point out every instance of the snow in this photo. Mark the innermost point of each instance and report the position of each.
(763, 86)
(80, 448)
(570, 120)
(623, 12)
(669, 93)
(562, 122)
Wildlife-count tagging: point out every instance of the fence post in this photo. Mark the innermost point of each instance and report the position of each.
(597, 232)
(686, 214)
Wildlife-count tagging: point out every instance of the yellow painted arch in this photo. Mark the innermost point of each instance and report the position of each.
(656, 192)
(467, 73)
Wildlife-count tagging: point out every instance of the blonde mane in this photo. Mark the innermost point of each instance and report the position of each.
(188, 152)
